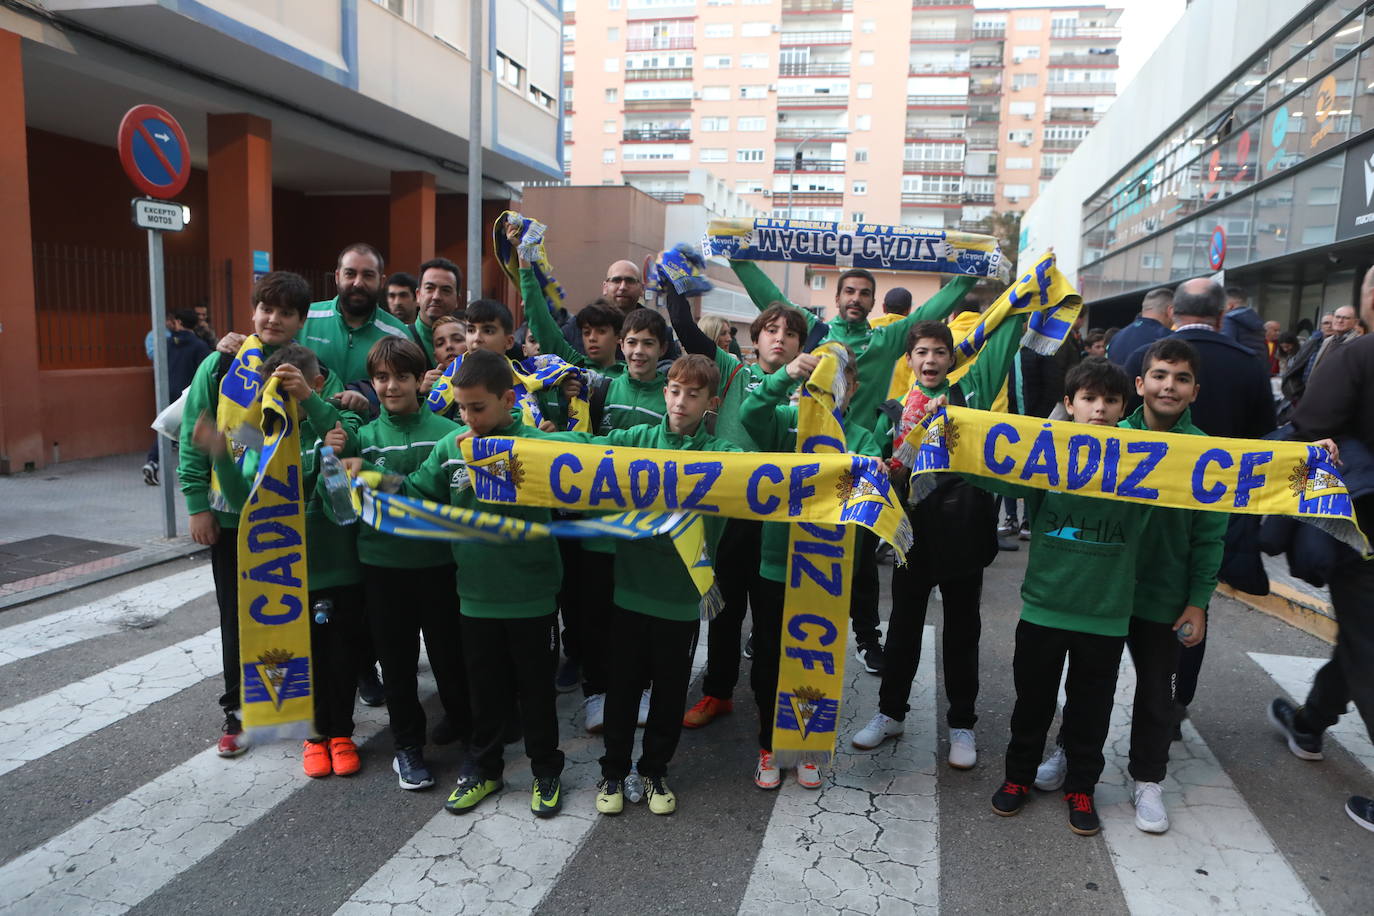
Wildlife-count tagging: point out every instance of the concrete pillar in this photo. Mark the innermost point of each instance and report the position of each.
(240, 218)
(21, 429)
(412, 221)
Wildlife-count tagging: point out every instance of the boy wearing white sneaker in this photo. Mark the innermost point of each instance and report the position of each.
(956, 530)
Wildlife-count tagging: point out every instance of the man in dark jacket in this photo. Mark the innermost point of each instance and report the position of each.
(1340, 402)
(624, 289)
(1151, 324)
(185, 352)
(1234, 401)
(1243, 324)
(1042, 377)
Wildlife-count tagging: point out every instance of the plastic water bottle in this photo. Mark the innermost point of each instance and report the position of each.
(634, 786)
(1185, 632)
(336, 484)
(323, 610)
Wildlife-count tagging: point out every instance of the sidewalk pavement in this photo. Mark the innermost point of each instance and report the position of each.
(105, 504)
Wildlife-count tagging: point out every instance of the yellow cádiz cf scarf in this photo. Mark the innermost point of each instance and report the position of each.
(1043, 293)
(815, 611)
(537, 373)
(1176, 471)
(828, 489)
(274, 626)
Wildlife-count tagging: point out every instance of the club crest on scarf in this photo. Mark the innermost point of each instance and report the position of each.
(278, 676)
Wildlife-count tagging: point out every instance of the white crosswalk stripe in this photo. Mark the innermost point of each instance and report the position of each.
(1294, 674)
(869, 835)
(497, 859)
(38, 727)
(124, 853)
(1216, 856)
(135, 607)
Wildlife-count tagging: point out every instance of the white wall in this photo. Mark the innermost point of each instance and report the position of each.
(1210, 41)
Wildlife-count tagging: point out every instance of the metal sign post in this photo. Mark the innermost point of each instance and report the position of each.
(157, 159)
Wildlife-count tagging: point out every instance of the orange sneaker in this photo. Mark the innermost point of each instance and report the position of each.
(345, 756)
(706, 710)
(317, 759)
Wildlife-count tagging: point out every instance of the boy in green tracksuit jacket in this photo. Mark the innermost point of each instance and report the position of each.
(342, 330)
(408, 583)
(657, 608)
(772, 421)
(1170, 600)
(281, 300)
(506, 593)
(877, 349)
(1076, 603)
(331, 560)
(778, 333)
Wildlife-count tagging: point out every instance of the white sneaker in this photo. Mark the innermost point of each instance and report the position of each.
(878, 730)
(963, 750)
(808, 776)
(766, 774)
(1150, 815)
(594, 713)
(1049, 776)
(644, 708)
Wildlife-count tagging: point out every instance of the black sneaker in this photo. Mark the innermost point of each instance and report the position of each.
(1024, 534)
(569, 676)
(1007, 546)
(445, 732)
(1304, 745)
(871, 654)
(409, 766)
(1361, 811)
(1010, 799)
(1083, 819)
(370, 687)
(749, 646)
(546, 796)
(150, 473)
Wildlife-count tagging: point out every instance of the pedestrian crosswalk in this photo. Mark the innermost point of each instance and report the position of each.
(873, 839)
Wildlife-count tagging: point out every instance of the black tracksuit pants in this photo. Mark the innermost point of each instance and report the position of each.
(1037, 666)
(498, 651)
(402, 604)
(648, 649)
(1349, 676)
(863, 602)
(224, 566)
(334, 647)
(595, 615)
(905, 629)
(763, 674)
(737, 572)
(1155, 652)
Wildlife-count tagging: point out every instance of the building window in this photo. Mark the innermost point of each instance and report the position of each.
(1013, 163)
(508, 71)
(856, 216)
(613, 33)
(863, 122)
(1024, 137)
(859, 187)
(715, 93)
(864, 90)
(748, 186)
(719, 30)
(861, 155)
(1021, 108)
(1024, 81)
(753, 92)
(611, 64)
(569, 33)
(612, 95)
(753, 123)
(1015, 191)
(749, 155)
(753, 61)
(608, 156)
(713, 154)
(717, 62)
(818, 281)
(1028, 24)
(713, 125)
(1025, 52)
(868, 26)
(755, 29)
(866, 58)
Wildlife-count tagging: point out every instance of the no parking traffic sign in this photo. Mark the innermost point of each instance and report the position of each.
(154, 152)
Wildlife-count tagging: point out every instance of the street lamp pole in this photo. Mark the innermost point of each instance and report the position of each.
(791, 185)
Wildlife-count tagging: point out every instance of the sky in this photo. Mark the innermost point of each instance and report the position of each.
(1144, 24)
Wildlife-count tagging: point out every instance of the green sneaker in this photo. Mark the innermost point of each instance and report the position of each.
(546, 797)
(661, 798)
(470, 791)
(610, 796)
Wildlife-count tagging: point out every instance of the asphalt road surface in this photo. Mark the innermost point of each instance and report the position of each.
(113, 799)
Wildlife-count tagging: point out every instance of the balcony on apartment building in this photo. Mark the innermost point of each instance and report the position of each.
(938, 134)
(820, 100)
(1060, 144)
(668, 197)
(983, 115)
(661, 43)
(938, 68)
(937, 101)
(941, 4)
(978, 197)
(1072, 115)
(784, 166)
(1057, 87)
(979, 141)
(985, 63)
(813, 69)
(932, 198)
(817, 6)
(1108, 61)
(1049, 171)
(808, 198)
(813, 38)
(985, 87)
(940, 36)
(1085, 33)
(658, 73)
(989, 32)
(940, 166)
(682, 104)
(657, 135)
(816, 133)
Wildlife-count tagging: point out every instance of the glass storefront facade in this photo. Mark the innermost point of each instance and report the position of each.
(1278, 158)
